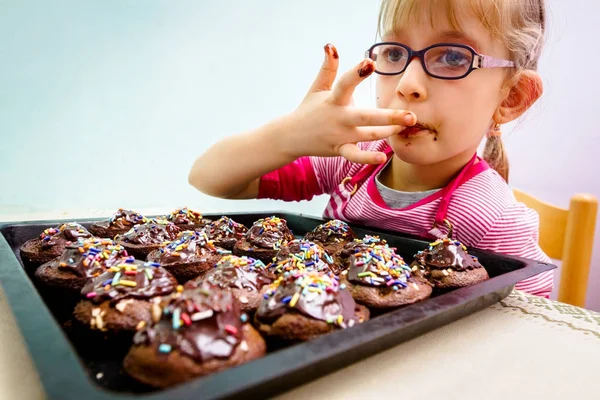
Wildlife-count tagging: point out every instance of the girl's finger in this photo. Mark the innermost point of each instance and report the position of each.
(351, 152)
(328, 71)
(344, 89)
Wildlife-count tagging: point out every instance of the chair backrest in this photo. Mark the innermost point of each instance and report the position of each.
(567, 235)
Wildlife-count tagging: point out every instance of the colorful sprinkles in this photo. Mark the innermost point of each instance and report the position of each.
(380, 266)
(310, 257)
(225, 227)
(125, 276)
(274, 226)
(127, 217)
(447, 241)
(185, 239)
(371, 240)
(247, 263)
(47, 234)
(307, 285)
(335, 227)
(185, 311)
(92, 253)
(186, 215)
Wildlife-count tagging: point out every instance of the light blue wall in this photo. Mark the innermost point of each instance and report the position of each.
(107, 103)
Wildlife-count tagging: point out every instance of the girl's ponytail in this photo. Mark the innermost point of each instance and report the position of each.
(495, 154)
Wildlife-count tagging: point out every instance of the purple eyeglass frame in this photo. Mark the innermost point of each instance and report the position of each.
(479, 60)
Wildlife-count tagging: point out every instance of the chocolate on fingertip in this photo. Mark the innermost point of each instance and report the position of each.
(330, 49)
(367, 69)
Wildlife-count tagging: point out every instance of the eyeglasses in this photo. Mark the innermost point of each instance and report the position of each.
(442, 60)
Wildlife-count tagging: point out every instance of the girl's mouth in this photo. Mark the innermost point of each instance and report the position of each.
(415, 130)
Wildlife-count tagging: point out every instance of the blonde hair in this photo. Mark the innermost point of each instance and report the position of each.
(519, 24)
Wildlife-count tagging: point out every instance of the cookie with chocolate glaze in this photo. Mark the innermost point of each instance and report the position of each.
(198, 332)
(141, 239)
(332, 235)
(80, 261)
(188, 256)
(246, 277)
(380, 279)
(119, 223)
(51, 243)
(342, 257)
(448, 265)
(60, 281)
(225, 232)
(187, 220)
(302, 254)
(264, 239)
(121, 299)
(305, 305)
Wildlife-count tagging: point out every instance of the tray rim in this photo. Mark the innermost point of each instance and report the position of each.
(73, 381)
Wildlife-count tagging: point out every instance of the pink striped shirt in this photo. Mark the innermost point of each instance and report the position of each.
(482, 208)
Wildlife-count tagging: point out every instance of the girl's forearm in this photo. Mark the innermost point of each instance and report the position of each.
(232, 167)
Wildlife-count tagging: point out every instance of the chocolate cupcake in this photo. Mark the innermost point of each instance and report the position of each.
(332, 235)
(379, 278)
(200, 332)
(189, 255)
(264, 239)
(246, 277)
(342, 257)
(119, 223)
(187, 220)
(225, 232)
(60, 281)
(81, 260)
(448, 265)
(51, 243)
(141, 239)
(304, 305)
(301, 254)
(122, 299)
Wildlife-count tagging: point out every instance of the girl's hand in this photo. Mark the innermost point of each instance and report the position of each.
(326, 123)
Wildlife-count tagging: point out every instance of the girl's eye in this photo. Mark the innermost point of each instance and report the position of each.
(454, 58)
(394, 54)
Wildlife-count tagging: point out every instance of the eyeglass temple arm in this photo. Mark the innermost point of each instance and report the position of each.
(481, 61)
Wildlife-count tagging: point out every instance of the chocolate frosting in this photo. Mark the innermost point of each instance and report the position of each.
(188, 247)
(314, 294)
(241, 273)
(130, 278)
(360, 245)
(334, 231)
(269, 233)
(63, 235)
(379, 266)
(122, 219)
(185, 216)
(300, 254)
(225, 228)
(447, 253)
(90, 257)
(155, 231)
(202, 323)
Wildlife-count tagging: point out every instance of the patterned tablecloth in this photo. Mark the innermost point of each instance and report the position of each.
(524, 347)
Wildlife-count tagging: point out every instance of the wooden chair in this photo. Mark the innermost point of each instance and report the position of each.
(567, 235)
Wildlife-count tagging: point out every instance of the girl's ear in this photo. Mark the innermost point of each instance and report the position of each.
(526, 88)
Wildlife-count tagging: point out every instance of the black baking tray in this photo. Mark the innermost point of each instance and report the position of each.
(67, 372)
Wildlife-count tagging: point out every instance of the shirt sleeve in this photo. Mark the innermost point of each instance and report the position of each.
(311, 176)
(516, 233)
(293, 182)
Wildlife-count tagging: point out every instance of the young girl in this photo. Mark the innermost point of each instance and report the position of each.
(448, 73)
